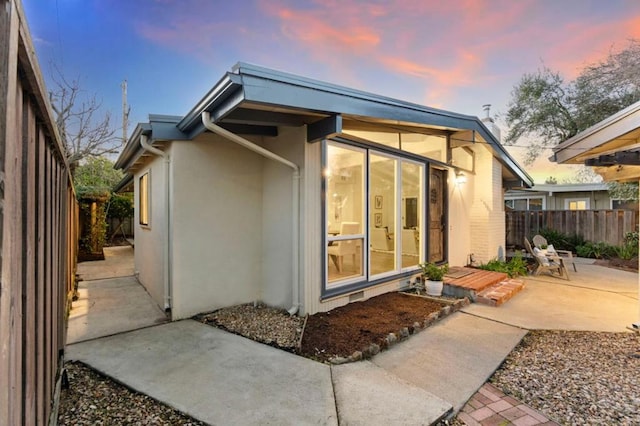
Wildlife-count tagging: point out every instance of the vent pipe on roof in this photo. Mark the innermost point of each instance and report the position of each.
(295, 194)
(490, 122)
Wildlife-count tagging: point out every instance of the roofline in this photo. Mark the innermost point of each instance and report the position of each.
(241, 72)
(571, 187)
(240, 85)
(607, 122)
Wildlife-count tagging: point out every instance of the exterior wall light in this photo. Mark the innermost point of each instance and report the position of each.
(461, 178)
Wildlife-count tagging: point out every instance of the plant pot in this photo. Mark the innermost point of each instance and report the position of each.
(434, 288)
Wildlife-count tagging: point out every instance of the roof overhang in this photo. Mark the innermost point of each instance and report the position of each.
(611, 146)
(253, 100)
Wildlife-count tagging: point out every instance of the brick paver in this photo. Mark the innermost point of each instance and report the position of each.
(490, 406)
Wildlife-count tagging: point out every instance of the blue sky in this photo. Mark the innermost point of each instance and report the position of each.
(455, 55)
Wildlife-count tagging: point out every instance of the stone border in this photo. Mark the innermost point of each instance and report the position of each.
(393, 338)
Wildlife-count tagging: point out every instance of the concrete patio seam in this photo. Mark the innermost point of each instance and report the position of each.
(116, 334)
(497, 321)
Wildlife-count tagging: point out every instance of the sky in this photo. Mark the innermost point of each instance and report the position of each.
(453, 55)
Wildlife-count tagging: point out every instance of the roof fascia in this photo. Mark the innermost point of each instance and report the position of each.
(226, 85)
(600, 133)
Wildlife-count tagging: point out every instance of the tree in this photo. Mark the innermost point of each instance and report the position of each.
(547, 110)
(96, 175)
(84, 131)
(551, 181)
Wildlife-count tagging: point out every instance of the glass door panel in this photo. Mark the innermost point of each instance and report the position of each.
(345, 207)
(382, 214)
(412, 207)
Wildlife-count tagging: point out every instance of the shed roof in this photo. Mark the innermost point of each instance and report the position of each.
(256, 100)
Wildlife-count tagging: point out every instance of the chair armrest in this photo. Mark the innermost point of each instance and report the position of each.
(565, 253)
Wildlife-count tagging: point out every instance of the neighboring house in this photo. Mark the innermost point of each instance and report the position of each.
(574, 196)
(307, 195)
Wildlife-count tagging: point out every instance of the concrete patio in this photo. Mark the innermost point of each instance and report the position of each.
(220, 378)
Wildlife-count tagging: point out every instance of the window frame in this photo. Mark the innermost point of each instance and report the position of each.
(528, 199)
(335, 289)
(568, 201)
(144, 199)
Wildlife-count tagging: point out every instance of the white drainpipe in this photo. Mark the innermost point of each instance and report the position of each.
(295, 230)
(167, 249)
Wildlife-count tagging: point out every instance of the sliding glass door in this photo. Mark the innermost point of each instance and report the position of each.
(375, 214)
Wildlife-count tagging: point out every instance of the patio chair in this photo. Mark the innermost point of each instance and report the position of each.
(567, 257)
(546, 263)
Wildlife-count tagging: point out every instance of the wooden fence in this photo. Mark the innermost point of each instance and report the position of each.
(609, 226)
(38, 232)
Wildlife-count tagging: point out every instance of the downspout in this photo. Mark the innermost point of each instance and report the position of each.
(167, 250)
(295, 230)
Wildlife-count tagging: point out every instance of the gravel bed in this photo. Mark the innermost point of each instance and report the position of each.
(93, 399)
(272, 326)
(584, 378)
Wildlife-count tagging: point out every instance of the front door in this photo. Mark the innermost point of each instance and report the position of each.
(437, 214)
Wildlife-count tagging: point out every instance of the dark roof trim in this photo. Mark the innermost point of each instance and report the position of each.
(124, 182)
(159, 128)
(222, 90)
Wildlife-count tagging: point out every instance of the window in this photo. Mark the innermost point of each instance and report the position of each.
(576, 204)
(374, 212)
(525, 203)
(144, 199)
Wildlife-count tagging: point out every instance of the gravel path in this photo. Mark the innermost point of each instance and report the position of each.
(574, 378)
(93, 399)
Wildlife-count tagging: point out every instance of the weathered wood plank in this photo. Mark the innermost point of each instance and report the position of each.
(28, 267)
(40, 276)
(593, 225)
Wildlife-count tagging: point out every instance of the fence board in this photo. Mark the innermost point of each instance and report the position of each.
(38, 231)
(609, 226)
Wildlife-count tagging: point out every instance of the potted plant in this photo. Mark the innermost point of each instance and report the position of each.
(433, 275)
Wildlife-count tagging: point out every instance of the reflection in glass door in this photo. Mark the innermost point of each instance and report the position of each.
(412, 184)
(382, 214)
(345, 213)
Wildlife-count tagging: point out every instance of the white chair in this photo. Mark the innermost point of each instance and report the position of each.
(410, 242)
(567, 257)
(380, 240)
(340, 249)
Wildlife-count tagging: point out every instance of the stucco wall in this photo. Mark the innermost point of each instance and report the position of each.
(150, 240)
(277, 216)
(217, 225)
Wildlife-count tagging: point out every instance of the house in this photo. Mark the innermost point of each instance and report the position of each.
(574, 196)
(308, 195)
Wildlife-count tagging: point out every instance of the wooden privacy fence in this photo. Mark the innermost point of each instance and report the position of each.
(609, 226)
(38, 232)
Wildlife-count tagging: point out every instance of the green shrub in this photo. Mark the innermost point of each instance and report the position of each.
(515, 267)
(599, 250)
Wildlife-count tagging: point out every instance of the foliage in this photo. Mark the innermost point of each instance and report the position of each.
(95, 176)
(551, 181)
(583, 174)
(433, 272)
(120, 207)
(599, 250)
(517, 266)
(549, 110)
(629, 249)
(94, 234)
(560, 240)
(84, 129)
(623, 191)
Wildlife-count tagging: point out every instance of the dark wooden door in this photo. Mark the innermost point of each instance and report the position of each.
(437, 214)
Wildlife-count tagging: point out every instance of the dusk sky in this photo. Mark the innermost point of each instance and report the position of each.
(454, 55)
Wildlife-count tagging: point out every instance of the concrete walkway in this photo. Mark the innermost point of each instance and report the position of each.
(222, 378)
(110, 299)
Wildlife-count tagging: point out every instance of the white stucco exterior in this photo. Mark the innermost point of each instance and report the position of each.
(224, 217)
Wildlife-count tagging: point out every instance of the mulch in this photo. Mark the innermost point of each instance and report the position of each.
(354, 327)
